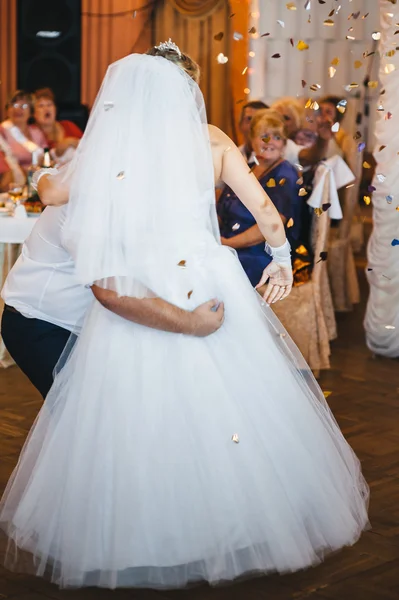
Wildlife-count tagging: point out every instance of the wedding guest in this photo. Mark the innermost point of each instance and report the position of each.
(24, 139)
(60, 135)
(279, 179)
(292, 110)
(342, 142)
(248, 111)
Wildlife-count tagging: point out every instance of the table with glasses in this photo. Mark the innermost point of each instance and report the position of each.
(13, 232)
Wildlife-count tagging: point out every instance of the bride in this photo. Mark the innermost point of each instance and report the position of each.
(160, 459)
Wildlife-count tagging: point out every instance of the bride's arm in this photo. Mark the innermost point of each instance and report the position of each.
(50, 192)
(235, 172)
(159, 314)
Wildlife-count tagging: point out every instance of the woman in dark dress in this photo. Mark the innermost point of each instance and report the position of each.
(280, 180)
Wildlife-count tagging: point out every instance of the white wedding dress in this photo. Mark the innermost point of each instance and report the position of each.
(160, 459)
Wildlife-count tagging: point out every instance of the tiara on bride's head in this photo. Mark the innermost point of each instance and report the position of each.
(169, 45)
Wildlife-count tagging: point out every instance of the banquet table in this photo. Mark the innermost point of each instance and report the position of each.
(13, 232)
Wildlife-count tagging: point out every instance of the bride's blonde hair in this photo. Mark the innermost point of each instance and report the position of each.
(184, 61)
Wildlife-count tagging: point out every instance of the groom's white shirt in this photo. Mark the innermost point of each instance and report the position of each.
(42, 283)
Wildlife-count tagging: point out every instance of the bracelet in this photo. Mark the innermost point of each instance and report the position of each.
(39, 174)
(280, 254)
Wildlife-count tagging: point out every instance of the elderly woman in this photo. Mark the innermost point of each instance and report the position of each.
(23, 139)
(280, 180)
(292, 111)
(60, 135)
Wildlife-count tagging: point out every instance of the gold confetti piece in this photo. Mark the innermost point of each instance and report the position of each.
(335, 61)
(315, 87)
(219, 36)
(349, 186)
(366, 199)
(365, 16)
(252, 30)
(244, 71)
(235, 438)
(309, 103)
(301, 45)
(376, 35)
(247, 91)
(222, 59)
(266, 139)
(389, 68)
(290, 223)
(318, 211)
(299, 181)
(329, 22)
(182, 264)
(251, 54)
(331, 72)
(358, 64)
(397, 208)
(302, 192)
(381, 148)
(366, 165)
(380, 108)
(327, 394)
(271, 182)
(390, 53)
(121, 175)
(372, 84)
(353, 86)
(282, 181)
(190, 294)
(291, 5)
(330, 14)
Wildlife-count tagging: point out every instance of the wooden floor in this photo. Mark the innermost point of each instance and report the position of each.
(365, 399)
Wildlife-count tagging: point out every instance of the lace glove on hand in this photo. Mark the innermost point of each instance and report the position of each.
(278, 272)
(38, 174)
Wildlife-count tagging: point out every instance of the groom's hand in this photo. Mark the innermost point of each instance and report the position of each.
(206, 318)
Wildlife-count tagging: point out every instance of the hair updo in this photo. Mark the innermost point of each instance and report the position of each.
(184, 61)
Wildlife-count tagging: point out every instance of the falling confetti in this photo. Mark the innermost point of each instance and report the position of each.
(358, 64)
(303, 83)
(271, 183)
(335, 127)
(357, 135)
(388, 116)
(323, 256)
(380, 108)
(371, 188)
(331, 72)
(281, 23)
(265, 34)
(330, 14)
(376, 35)
(315, 87)
(350, 37)
(361, 147)
(121, 175)
(244, 71)
(390, 53)
(366, 165)
(252, 30)
(182, 264)
(219, 36)
(237, 36)
(326, 206)
(372, 84)
(222, 59)
(329, 22)
(307, 5)
(235, 438)
(302, 192)
(389, 68)
(291, 5)
(290, 223)
(365, 16)
(282, 181)
(341, 106)
(335, 61)
(389, 199)
(236, 227)
(108, 105)
(292, 42)
(327, 394)
(381, 178)
(390, 327)
(395, 242)
(277, 55)
(190, 294)
(367, 200)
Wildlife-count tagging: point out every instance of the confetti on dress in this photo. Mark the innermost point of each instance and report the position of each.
(302, 192)
(367, 200)
(182, 264)
(190, 294)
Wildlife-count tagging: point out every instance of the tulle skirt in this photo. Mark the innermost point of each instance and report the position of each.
(160, 459)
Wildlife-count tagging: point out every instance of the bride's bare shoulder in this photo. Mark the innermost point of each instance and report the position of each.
(218, 137)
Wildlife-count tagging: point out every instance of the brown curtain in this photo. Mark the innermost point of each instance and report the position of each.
(195, 36)
(195, 8)
(8, 52)
(108, 34)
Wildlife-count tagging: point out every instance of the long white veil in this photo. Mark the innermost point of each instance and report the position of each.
(141, 179)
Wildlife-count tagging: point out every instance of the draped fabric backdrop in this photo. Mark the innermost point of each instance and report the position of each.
(8, 51)
(193, 25)
(382, 316)
(107, 38)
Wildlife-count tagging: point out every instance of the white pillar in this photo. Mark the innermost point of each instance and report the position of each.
(382, 316)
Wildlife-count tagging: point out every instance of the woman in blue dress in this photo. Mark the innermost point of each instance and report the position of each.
(280, 179)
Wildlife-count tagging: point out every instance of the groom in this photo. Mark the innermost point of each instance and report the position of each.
(45, 305)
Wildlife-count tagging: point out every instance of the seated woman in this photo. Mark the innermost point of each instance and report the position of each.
(61, 135)
(23, 139)
(280, 180)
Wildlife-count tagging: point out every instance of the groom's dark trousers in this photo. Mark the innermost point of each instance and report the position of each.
(35, 345)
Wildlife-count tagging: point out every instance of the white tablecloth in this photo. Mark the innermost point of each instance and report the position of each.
(13, 232)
